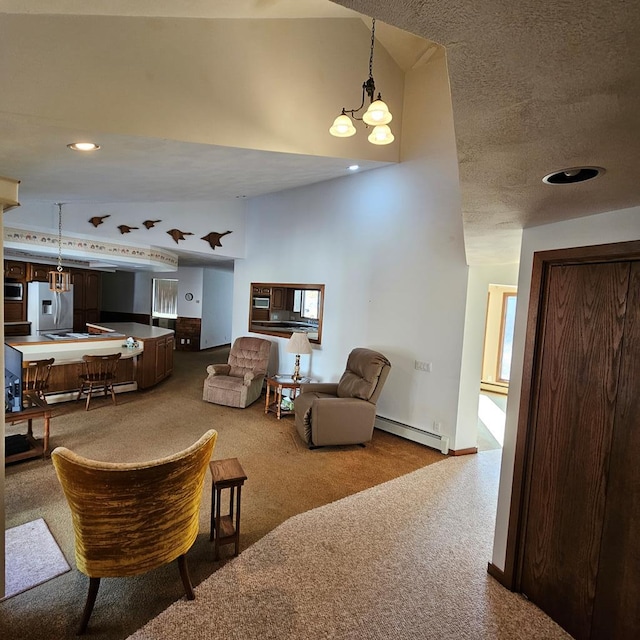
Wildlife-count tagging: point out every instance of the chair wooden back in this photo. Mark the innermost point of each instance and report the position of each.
(101, 368)
(35, 376)
(129, 518)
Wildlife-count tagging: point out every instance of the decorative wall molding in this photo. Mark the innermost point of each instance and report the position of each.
(152, 258)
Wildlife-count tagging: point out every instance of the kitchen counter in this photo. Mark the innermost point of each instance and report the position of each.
(134, 329)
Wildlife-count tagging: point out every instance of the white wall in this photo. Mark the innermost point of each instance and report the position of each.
(217, 304)
(388, 246)
(614, 226)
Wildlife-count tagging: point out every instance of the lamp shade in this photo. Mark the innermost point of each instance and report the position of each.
(342, 127)
(299, 344)
(377, 113)
(381, 135)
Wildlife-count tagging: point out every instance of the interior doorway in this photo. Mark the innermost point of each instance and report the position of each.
(496, 365)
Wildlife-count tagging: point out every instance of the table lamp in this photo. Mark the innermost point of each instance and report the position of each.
(298, 343)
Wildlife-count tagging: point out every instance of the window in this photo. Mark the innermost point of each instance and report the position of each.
(506, 336)
(164, 301)
(310, 304)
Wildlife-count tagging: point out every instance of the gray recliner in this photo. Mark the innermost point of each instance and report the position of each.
(344, 412)
(239, 382)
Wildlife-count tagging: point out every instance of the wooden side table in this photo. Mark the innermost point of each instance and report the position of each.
(36, 408)
(226, 474)
(277, 384)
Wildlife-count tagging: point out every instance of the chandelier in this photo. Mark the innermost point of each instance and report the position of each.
(59, 280)
(377, 114)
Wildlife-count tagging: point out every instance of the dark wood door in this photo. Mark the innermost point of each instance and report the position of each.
(617, 603)
(576, 375)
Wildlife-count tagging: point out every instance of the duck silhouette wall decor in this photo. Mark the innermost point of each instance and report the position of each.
(214, 238)
(97, 220)
(176, 234)
(125, 228)
(150, 223)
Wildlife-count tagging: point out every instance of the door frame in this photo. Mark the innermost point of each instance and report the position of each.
(525, 435)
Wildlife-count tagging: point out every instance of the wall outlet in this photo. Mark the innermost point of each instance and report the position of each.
(422, 366)
(437, 427)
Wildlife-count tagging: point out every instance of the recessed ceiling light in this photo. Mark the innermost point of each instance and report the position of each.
(573, 174)
(83, 146)
(354, 167)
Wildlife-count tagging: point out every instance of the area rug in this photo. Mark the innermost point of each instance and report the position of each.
(32, 557)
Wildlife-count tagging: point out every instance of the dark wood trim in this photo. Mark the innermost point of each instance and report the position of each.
(463, 452)
(542, 262)
(496, 573)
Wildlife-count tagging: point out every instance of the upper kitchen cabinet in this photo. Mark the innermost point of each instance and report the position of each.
(86, 297)
(38, 272)
(14, 270)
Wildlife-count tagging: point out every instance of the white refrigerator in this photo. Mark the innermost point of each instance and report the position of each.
(47, 310)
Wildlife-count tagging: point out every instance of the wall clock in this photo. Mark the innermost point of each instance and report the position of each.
(188, 296)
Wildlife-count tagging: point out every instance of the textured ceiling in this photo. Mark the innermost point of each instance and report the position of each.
(537, 86)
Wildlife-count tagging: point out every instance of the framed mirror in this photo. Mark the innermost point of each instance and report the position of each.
(279, 309)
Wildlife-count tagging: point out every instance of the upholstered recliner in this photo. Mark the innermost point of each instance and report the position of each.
(343, 412)
(239, 382)
(129, 518)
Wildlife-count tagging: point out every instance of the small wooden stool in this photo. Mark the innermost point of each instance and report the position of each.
(226, 474)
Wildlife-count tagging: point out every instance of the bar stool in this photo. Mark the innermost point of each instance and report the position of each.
(99, 373)
(226, 474)
(35, 378)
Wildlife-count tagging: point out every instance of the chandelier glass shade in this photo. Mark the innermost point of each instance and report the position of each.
(377, 114)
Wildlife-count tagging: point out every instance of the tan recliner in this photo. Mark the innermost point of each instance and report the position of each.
(239, 382)
(343, 412)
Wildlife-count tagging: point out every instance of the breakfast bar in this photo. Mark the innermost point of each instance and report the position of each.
(146, 355)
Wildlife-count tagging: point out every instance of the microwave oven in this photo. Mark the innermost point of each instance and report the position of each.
(261, 303)
(12, 290)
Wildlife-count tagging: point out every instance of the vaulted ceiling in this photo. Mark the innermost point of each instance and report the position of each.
(537, 86)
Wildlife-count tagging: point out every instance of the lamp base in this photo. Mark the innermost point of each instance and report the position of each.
(296, 369)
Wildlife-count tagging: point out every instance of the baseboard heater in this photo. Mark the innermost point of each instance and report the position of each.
(433, 440)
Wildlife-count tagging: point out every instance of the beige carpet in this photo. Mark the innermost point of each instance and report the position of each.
(404, 560)
(32, 556)
(285, 479)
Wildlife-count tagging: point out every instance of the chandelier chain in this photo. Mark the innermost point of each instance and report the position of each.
(59, 237)
(373, 35)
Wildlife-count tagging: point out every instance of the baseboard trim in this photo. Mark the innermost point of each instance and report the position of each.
(498, 574)
(463, 452)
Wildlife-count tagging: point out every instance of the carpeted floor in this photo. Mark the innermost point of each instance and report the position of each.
(284, 479)
(400, 561)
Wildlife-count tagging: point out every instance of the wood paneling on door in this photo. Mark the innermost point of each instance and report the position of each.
(576, 383)
(617, 603)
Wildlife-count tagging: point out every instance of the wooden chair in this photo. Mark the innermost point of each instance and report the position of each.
(129, 518)
(35, 378)
(99, 373)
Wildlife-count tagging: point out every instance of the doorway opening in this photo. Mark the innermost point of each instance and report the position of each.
(496, 365)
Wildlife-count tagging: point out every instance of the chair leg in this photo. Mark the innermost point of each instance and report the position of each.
(184, 574)
(94, 585)
(86, 406)
(113, 393)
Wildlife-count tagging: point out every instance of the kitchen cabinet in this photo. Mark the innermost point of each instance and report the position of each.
(277, 299)
(16, 310)
(157, 361)
(38, 272)
(15, 270)
(86, 297)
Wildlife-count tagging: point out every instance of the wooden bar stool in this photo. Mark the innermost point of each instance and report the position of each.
(226, 474)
